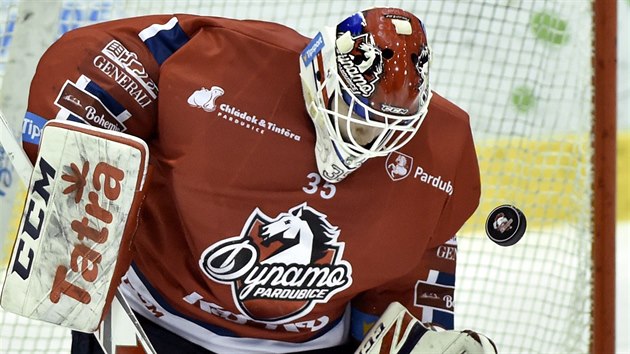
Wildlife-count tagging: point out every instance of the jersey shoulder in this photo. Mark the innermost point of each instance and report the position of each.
(445, 123)
(269, 33)
(445, 132)
(447, 110)
(189, 25)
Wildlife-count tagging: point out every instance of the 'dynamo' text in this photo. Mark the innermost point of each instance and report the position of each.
(295, 282)
(272, 281)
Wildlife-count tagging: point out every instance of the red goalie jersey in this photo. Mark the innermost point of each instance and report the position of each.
(241, 243)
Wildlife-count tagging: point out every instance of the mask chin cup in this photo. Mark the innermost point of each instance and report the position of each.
(334, 163)
(334, 167)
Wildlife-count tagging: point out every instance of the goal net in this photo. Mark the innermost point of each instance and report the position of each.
(521, 68)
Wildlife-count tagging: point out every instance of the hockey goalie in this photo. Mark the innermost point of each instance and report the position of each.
(305, 193)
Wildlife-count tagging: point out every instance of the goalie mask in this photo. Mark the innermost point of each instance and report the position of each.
(366, 87)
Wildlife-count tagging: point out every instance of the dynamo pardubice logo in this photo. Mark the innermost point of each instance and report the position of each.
(293, 259)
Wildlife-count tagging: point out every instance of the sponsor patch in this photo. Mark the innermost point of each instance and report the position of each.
(312, 49)
(88, 108)
(32, 128)
(434, 296)
(128, 60)
(398, 165)
(206, 99)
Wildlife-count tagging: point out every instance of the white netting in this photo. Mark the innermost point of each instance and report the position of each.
(522, 69)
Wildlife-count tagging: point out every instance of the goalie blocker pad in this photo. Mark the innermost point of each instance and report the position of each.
(397, 331)
(73, 242)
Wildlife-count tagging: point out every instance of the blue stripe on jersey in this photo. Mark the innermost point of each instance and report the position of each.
(32, 128)
(74, 118)
(443, 318)
(360, 323)
(156, 295)
(445, 279)
(166, 42)
(106, 99)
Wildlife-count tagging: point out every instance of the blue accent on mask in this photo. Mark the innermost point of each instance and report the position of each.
(358, 109)
(354, 24)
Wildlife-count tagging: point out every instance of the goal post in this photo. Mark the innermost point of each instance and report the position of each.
(604, 179)
(537, 78)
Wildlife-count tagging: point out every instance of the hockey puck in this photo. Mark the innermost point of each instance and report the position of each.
(506, 225)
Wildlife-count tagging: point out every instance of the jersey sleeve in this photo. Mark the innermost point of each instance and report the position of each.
(467, 191)
(105, 75)
(427, 291)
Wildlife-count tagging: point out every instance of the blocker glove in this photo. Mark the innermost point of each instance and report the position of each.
(398, 332)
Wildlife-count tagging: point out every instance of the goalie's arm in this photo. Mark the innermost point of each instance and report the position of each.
(464, 197)
(101, 75)
(427, 291)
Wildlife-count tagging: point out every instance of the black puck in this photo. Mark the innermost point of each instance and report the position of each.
(506, 225)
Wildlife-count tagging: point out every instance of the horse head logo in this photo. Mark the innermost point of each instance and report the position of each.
(303, 235)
